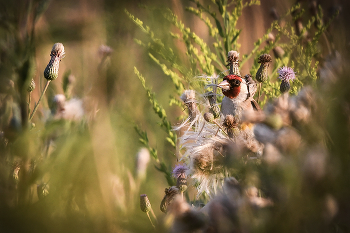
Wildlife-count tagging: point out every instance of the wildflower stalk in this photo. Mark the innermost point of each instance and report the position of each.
(41, 96)
(154, 216)
(51, 70)
(146, 207)
(30, 88)
(259, 92)
(209, 117)
(262, 73)
(150, 220)
(29, 101)
(221, 128)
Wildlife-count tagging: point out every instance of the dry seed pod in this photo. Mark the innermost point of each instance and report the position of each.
(262, 73)
(230, 123)
(170, 194)
(232, 62)
(209, 117)
(145, 204)
(57, 53)
(214, 108)
(189, 98)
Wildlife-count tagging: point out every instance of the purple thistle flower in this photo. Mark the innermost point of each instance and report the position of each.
(286, 74)
(179, 170)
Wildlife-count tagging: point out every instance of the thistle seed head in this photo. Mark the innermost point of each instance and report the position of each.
(264, 58)
(209, 117)
(230, 122)
(170, 195)
(188, 96)
(58, 50)
(214, 108)
(232, 56)
(232, 62)
(262, 73)
(145, 204)
(51, 70)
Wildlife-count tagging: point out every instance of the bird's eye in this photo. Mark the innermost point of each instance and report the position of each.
(236, 82)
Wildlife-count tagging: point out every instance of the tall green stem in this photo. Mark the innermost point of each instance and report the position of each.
(37, 104)
(150, 220)
(259, 93)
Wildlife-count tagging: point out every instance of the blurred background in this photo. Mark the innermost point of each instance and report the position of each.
(100, 166)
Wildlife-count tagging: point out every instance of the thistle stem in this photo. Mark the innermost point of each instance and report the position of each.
(221, 128)
(201, 129)
(150, 219)
(29, 101)
(259, 93)
(154, 216)
(41, 96)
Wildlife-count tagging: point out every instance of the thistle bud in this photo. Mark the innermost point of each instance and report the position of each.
(214, 108)
(232, 62)
(286, 74)
(181, 183)
(209, 117)
(31, 86)
(189, 98)
(145, 204)
(51, 70)
(230, 123)
(262, 73)
(285, 86)
(179, 172)
(170, 195)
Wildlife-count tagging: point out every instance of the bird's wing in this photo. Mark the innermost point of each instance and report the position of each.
(253, 87)
(255, 105)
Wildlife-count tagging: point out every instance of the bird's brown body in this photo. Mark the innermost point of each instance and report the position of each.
(239, 94)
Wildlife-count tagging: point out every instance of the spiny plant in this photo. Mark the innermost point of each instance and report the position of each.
(293, 45)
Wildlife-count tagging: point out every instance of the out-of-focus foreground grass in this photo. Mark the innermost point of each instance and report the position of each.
(87, 168)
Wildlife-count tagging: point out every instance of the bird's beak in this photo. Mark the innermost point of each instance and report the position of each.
(224, 85)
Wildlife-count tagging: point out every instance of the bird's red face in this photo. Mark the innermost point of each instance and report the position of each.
(231, 85)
